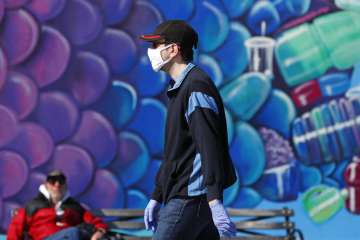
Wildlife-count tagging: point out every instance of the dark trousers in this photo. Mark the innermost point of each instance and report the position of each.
(71, 233)
(188, 219)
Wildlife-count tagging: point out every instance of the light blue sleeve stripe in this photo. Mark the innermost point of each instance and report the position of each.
(196, 182)
(199, 99)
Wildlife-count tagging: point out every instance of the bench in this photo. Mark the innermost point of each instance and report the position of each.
(251, 224)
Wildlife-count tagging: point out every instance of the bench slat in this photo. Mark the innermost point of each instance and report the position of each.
(127, 225)
(260, 213)
(260, 238)
(264, 225)
(119, 212)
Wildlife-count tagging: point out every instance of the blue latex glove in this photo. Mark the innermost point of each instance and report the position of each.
(151, 215)
(222, 220)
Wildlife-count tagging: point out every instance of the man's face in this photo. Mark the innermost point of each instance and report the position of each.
(56, 186)
(169, 52)
(164, 54)
(161, 56)
(156, 45)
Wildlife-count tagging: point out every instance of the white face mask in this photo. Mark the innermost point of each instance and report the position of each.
(155, 58)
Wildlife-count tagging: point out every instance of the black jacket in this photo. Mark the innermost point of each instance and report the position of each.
(196, 157)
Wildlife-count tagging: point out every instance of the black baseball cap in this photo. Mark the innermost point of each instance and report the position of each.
(173, 31)
(56, 175)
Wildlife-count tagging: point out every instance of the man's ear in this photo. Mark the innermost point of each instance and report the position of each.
(175, 49)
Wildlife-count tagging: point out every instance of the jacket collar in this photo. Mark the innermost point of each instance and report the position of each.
(45, 192)
(181, 77)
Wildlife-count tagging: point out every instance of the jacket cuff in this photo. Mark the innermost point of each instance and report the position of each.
(101, 226)
(214, 192)
(157, 196)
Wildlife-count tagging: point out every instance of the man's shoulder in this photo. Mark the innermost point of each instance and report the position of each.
(71, 201)
(40, 201)
(200, 81)
(198, 74)
(34, 204)
(73, 204)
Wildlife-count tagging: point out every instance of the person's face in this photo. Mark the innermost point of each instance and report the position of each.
(56, 187)
(169, 52)
(162, 56)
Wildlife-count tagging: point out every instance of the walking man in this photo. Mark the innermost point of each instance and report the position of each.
(197, 166)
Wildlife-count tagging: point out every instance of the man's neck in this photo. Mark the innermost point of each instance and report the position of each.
(55, 201)
(176, 69)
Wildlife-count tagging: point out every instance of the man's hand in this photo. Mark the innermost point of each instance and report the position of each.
(221, 219)
(151, 215)
(98, 234)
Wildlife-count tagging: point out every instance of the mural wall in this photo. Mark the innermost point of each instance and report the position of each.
(77, 92)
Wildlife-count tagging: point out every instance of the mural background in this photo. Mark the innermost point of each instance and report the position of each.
(77, 93)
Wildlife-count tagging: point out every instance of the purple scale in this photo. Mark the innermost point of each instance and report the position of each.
(97, 135)
(15, 3)
(115, 11)
(122, 54)
(50, 59)
(8, 208)
(8, 125)
(13, 173)
(88, 77)
(77, 165)
(19, 94)
(80, 21)
(2, 11)
(143, 19)
(1, 209)
(106, 191)
(19, 44)
(58, 114)
(31, 187)
(3, 64)
(34, 143)
(45, 10)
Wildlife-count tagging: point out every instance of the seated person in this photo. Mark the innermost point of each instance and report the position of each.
(53, 215)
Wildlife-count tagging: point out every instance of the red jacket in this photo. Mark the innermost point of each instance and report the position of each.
(39, 219)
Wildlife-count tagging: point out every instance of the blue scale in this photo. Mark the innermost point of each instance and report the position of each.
(334, 84)
(320, 129)
(355, 127)
(348, 129)
(312, 139)
(340, 130)
(333, 141)
(355, 107)
(299, 140)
